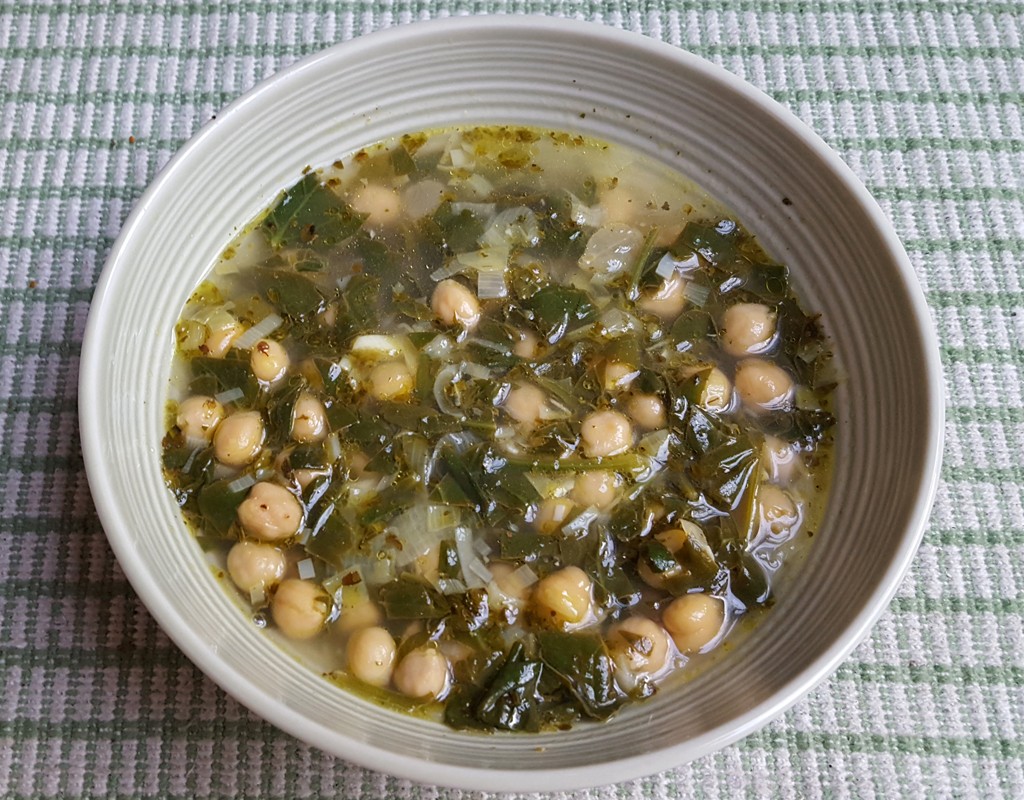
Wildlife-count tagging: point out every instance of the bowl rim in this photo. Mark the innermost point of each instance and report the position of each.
(504, 780)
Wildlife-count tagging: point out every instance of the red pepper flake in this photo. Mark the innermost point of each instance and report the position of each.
(131, 140)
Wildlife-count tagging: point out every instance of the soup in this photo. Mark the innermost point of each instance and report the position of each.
(502, 425)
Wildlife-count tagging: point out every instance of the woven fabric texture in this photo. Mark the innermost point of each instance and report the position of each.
(922, 98)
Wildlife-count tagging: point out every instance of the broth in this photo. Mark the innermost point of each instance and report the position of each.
(500, 424)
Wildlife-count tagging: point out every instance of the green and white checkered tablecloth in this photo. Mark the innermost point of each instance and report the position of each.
(923, 99)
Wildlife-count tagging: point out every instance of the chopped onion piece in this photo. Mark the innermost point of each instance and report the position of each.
(513, 227)
(516, 584)
(375, 344)
(451, 586)
(669, 265)
(478, 371)
(473, 570)
(438, 348)
(453, 267)
(479, 185)
(257, 595)
(655, 444)
(378, 569)
(579, 524)
(583, 214)
(615, 322)
(611, 250)
(304, 535)
(460, 158)
(487, 259)
(227, 267)
(655, 447)
(348, 588)
(696, 294)
(550, 485)
(261, 330)
(524, 577)
(446, 376)
(412, 529)
(513, 634)
(503, 432)
(479, 571)
(451, 374)
(441, 517)
(482, 547)
(306, 569)
(490, 284)
(215, 317)
(461, 442)
(332, 447)
(221, 471)
(486, 345)
(241, 482)
(229, 396)
(194, 443)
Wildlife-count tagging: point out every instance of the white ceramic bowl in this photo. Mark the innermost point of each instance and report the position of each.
(745, 149)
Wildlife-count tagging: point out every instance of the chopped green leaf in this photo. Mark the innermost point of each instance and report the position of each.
(582, 663)
(412, 598)
(310, 215)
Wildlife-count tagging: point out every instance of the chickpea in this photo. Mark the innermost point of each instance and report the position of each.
(747, 328)
(563, 598)
(606, 433)
(390, 381)
(329, 316)
(527, 345)
(526, 404)
(366, 614)
(269, 360)
(716, 395)
(253, 565)
(304, 477)
(693, 620)
(762, 386)
(552, 513)
(300, 608)
(454, 304)
(780, 460)
(380, 204)
(598, 488)
(778, 511)
(647, 411)
(371, 655)
(423, 673)
(198, 416)
(639, 646)
(668, 300)
(617, 376)
(220, 337)
(309, 419)
(239, 439)
(270, 513)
